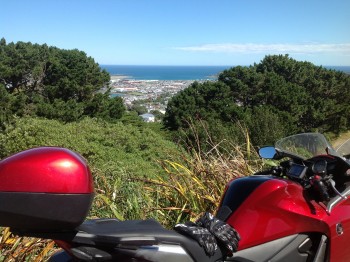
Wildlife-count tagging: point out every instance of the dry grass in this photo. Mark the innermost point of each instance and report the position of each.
(14, 248)
(197, 185)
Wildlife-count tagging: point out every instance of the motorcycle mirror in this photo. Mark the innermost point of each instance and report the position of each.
(268, 152)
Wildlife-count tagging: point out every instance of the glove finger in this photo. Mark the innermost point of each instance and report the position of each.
(223, 235)
(212, 248)
(210, 244)
(233, 232)
(228, 234)
(201, 242)
(234, 245)
(214, 245)
(232, 235)
(238, 236)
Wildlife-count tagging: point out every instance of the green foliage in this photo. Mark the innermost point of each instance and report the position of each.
(56, 73)
(132, 118)
(66, 111)
(201, 101)
(22, 65)
(120, 156)
(157, 114)
(139, 109)
(72, 74)
(5, 106)
(325, 105)
(55, 83)
(265, 125)
(276, 97)
(104, 107)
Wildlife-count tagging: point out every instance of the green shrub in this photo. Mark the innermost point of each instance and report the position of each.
(119, 155)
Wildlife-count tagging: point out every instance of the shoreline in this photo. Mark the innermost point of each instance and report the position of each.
(119, 77)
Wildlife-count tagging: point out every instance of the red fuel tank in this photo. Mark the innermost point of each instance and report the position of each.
(44, 189)
(265, 208)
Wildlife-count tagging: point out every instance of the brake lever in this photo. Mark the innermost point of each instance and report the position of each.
(332, 183)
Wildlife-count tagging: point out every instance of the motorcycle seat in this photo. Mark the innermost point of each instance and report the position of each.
(132, 234)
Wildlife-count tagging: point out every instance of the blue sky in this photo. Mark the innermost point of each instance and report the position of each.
(185, 32)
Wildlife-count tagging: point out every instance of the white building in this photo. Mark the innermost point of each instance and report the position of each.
(148, 117)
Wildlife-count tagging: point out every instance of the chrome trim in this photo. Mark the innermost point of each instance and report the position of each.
(337, 199)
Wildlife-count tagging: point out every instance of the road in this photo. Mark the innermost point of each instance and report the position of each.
(342, 144)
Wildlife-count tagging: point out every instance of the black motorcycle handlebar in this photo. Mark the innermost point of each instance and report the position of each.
(274, 171)
(320, 187)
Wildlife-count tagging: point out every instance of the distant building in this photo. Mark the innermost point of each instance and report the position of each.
(148, 117)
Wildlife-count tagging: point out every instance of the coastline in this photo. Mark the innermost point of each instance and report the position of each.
(119, 77)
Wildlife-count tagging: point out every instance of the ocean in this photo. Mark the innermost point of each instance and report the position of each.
(139, 72)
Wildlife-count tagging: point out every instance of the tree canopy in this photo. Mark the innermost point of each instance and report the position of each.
(279, 92)
(54, 83)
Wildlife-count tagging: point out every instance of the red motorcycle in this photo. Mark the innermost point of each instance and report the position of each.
(296, 211)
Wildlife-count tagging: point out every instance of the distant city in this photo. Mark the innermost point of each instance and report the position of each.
(154, 93)
(152, 86)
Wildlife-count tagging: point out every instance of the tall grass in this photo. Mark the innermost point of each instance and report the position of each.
(197, 184)
(119, 194)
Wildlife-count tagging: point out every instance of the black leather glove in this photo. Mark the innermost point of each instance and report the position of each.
(223, 232)
(200, 234)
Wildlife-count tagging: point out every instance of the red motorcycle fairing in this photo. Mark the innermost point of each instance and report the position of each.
(271, 209)
(339, 227)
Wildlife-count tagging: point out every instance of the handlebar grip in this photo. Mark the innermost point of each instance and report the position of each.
(320, 188)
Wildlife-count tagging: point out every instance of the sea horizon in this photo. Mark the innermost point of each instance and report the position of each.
(171, 72)
(177, 72)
